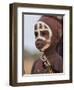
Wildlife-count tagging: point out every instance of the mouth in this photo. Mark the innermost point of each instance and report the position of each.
(39, 44)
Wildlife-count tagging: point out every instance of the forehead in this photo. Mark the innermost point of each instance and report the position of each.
(41, 26)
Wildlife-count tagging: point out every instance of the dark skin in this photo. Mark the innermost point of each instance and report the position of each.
(55, 60)
(41, 43)
(52, 56)
(43, 34)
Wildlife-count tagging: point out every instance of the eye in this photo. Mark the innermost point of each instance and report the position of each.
(36, 34)
(43, 33)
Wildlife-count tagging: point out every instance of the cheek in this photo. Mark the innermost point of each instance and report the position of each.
(46, 36)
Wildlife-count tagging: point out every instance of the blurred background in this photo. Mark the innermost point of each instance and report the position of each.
(31, 53)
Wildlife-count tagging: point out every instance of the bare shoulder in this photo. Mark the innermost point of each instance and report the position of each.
(58, 63)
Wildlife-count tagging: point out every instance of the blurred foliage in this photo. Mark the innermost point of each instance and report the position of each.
(29, 59)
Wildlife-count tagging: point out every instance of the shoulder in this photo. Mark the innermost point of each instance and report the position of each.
(37, 64)
(58, 63)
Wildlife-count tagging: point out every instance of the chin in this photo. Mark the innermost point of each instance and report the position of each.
(39, 49)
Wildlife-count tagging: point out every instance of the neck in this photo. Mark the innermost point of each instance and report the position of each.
(49, 51)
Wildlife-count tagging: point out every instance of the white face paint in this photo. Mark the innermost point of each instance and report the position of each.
(45, 27)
